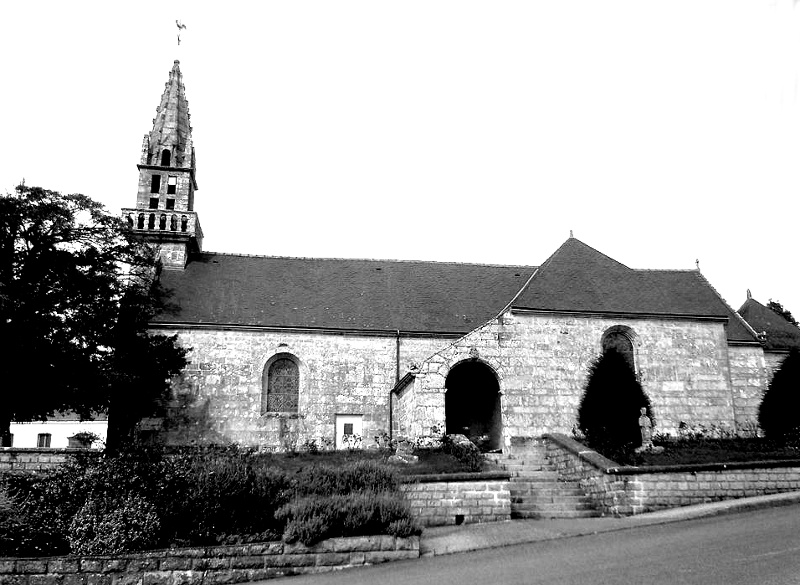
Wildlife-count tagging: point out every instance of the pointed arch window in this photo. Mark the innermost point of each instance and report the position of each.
(620, 338)
(280, 386)
(166, 155)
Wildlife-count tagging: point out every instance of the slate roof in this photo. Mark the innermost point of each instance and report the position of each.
(578, 278)
(427, 297)
(781, 335)
(328, 293)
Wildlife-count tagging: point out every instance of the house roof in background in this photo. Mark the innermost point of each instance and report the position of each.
(781, 335)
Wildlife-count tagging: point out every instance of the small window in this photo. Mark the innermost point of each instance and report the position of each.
(170, 204)
(155, 184)
(348, 429)
(43, 440)
(172, 183)
(618, 340)
(154, 203)
(165, 157)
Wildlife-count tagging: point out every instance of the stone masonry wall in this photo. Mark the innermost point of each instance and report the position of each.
(219, 564)
(625, 491)
(438, 503)
(220, 389)
(749, 379)
(542, 360)
(37, 459)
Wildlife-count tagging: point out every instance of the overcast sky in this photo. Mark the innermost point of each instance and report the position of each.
(658, 132)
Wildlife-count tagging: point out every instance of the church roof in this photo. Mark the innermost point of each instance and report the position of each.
(781, 335)
(329, 293)
(428, 297)
(578, 278)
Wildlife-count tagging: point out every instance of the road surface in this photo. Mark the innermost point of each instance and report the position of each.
(755, 548)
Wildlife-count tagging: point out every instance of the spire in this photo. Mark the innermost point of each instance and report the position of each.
(164, 214)
(172, 130)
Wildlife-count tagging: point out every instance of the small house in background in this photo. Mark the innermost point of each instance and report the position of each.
(777, 334)
(61, 431)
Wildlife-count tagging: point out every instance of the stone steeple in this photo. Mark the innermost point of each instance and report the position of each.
(164, 212)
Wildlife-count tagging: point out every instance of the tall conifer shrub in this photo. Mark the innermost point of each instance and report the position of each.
(778, 414)
(609, 412)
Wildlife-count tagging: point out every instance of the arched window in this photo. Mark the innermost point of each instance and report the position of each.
(140, 221)
(173, 223)
(162, 222)
(619, 339)
(151, 222)
(130, 221)
(280, 386)
(165, 156)
(184, 223)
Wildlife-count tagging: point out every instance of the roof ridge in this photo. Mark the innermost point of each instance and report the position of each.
(452, 262)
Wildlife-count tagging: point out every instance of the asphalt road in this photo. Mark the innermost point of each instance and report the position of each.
(760, 547)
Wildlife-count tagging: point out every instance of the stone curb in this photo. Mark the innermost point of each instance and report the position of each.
(475, 537)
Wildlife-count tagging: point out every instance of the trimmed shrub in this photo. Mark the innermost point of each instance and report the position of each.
(357, 476)
(777, 414)
(608, 415)
(105, 527)
(314, 518)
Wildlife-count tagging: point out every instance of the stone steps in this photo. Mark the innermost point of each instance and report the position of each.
(536, 490)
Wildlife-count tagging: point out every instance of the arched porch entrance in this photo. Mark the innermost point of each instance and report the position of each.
(472, 404)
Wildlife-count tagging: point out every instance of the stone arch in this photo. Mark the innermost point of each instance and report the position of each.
(166, 155)
(624, 340)
(280, 384)
(473, 403)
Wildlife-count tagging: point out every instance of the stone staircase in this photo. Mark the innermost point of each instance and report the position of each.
(536, 490)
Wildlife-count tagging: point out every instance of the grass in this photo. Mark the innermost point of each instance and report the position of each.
(708, 450)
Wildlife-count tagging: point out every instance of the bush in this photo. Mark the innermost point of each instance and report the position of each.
(608, 415)
(314, 518)
(113, 526)
(777, 414)
(467, 453)
(357, 476)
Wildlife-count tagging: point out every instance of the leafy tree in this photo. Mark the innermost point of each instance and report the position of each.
(609, 411)
(778, 413)
(776, 307)
(75, 296)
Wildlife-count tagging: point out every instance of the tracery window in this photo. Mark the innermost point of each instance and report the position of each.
(280, 386)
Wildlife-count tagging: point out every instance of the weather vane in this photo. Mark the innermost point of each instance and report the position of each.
(181, 27)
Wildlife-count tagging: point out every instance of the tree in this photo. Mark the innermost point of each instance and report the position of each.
(776, 307)
(69, 276)
(778, 413)
(609, 411)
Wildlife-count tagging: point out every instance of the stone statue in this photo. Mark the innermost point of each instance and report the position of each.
(646, 428)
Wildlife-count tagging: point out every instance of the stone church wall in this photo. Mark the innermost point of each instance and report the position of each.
(542, 360)
(750, 375)
(219, 395)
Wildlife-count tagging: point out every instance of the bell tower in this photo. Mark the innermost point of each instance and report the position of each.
(164, 214)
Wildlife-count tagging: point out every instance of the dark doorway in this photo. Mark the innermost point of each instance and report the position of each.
(472, 404)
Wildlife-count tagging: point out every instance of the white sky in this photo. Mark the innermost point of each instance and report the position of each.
(659, 132)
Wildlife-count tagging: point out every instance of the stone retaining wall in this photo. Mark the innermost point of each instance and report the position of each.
(219, 564)
(466, 498)
(626, 491)
(12, 459)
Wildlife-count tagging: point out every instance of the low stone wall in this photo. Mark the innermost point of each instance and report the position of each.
(464, 498)
(626, 491)
(13, 459)
(219, 564)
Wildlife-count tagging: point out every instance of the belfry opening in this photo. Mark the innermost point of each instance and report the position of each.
(472, 404)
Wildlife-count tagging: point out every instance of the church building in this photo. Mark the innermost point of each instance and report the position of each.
(293, 351)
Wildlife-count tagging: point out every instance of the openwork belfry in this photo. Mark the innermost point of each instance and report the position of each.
(344, 347)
